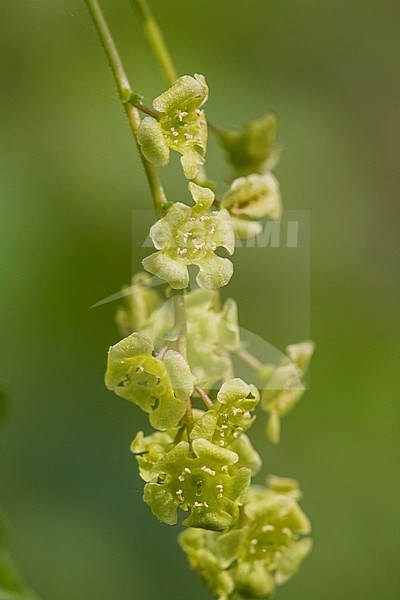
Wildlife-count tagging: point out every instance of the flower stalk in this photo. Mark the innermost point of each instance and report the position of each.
(125, 93)
(156, 41)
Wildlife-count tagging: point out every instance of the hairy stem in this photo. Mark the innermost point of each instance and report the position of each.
(125, 92)
(156, 41)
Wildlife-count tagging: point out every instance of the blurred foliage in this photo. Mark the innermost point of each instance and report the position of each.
(70, 178)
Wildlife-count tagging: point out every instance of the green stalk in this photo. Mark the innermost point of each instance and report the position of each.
(156, 41)
(125, 93)
(180, 326)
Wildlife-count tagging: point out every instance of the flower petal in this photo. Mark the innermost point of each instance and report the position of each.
(185, 91)
(203, 197)
(214, 272)
(166, 267)
(152, 142)
(191, 162)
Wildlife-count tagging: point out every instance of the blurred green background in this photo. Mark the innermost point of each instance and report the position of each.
(70, 178)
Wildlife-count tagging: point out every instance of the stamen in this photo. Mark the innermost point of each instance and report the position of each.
(208, 470)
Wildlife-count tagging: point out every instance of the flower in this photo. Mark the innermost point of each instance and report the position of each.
(181, 126)
(251, 149)
(231, 415)
(251, 198)
(189, 236)
(197, 479)
(135, 374)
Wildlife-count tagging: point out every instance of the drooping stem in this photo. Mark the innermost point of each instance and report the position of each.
(156, 41)
(125, 93)
(180, 327)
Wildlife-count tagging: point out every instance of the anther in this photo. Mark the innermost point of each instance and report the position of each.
(208, 470)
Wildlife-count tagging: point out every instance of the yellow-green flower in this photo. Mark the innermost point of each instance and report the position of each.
(181, 126)
(197, 479)
(252, 198)
(231, 415)
(190, 236)
(159, 387)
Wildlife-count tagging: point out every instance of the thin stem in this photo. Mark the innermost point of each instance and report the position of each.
(163, 351)
(146, 109)
(180, 326)
(156, 41)
(180, 320)
(205, 397)
(249, 359)
(125, 92)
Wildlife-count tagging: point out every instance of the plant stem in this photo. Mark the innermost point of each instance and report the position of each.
(146, 109)
(180, 320)
(156, 41)
(125, 92)
(180, 325)
(205, 397)
(249, 359)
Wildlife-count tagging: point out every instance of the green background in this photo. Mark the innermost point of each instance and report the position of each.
(70, 178)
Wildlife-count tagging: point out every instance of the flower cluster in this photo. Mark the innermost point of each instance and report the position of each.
(264, 551)
(207, 473)
(180, 347)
